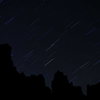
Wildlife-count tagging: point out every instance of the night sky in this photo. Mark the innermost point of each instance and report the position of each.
(51, 35)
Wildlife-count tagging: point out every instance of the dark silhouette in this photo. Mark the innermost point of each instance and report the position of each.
(15, 85)
(93, 90)
(61, 87)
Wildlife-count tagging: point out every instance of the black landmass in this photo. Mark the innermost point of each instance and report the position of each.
(15, 85)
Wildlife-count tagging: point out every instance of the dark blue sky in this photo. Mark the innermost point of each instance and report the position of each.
(51, 35)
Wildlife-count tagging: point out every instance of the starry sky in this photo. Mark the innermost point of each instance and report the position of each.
(51, 35)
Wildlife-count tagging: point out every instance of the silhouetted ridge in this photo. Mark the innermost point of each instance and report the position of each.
(15, 85)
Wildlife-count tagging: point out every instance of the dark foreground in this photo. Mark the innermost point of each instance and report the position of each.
(15, 85)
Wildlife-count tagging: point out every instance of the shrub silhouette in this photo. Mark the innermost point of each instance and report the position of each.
(15, 85)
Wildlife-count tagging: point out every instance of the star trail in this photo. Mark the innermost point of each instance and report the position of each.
(51, 35)
(49, 61)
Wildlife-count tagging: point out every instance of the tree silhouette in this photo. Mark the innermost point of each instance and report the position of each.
(61, 87)
(15, 85)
